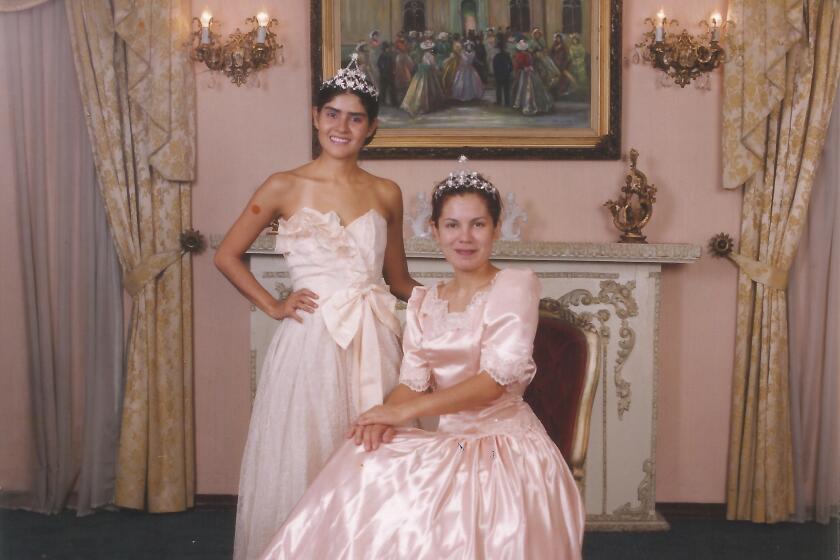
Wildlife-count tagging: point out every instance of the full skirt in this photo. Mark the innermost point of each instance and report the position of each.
(432, 495)
(303, 407)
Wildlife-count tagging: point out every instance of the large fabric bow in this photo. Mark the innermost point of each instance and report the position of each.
(351, 314)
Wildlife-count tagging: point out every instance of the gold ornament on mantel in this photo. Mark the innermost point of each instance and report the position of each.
(633, 209)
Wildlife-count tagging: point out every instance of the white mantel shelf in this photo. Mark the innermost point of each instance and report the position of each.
(542, 250)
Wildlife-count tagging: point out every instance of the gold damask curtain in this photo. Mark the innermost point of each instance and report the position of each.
(779, 89)
(138, 91)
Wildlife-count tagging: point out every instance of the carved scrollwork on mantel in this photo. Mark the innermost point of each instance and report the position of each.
(645, 494)
(620, 298)
(539, 250)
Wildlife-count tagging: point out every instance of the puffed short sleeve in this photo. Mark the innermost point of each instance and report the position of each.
(510, 319)
(414, 370)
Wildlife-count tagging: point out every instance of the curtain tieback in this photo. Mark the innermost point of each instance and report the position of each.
(149, 269)
(761, 272)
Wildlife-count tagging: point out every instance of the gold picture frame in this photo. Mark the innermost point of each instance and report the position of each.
(585, 127)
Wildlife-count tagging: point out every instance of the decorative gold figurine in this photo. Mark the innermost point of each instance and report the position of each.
(633, 209)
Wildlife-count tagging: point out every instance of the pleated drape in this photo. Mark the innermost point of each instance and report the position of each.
(779, 90)
(137, 87)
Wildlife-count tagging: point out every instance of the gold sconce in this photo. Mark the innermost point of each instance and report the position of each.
(243, 53)
(682, 56)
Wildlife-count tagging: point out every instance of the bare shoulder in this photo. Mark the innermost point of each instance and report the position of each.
(389, 195)
(280, 187)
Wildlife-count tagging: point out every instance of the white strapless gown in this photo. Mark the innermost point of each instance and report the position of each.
(320, 374)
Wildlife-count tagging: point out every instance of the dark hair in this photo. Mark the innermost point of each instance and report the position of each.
(369, 102)
(491, 199)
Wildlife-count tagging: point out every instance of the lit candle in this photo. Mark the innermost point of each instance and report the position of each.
(716, 19)
(660, 26)
(205, 27)
(262, 21)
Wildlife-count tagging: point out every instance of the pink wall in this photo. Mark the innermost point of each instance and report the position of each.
(246, 133)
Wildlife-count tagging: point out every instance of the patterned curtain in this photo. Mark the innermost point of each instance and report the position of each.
(778, 93)
(137, 87)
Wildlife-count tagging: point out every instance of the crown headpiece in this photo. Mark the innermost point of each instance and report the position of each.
(464, 180)
(352, 78)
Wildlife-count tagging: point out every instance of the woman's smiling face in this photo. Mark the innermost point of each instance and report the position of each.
(343, 125)
(465, 232)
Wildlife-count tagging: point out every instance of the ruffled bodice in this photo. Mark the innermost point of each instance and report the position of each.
(343, 265)
(324, 256)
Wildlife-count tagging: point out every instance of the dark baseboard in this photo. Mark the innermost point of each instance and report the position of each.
(670, 510)
(215, 501)
(679, 511)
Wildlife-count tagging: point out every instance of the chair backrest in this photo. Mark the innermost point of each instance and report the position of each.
(567, 354)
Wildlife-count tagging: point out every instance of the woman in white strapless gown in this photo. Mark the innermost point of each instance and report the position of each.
(336, 351)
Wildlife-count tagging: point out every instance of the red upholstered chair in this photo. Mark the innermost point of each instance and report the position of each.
(567, 354)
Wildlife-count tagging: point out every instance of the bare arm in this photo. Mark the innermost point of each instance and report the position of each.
(476, 391)
(395, 267)
(261, 209)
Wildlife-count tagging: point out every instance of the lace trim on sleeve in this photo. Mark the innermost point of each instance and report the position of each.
(416, 385)
(507, 370)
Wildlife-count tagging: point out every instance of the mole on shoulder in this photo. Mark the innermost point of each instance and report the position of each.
(255, 209)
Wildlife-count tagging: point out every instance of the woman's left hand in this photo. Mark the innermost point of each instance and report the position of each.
(390, 414)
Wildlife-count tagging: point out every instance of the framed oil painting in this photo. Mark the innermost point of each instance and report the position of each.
(501, 79)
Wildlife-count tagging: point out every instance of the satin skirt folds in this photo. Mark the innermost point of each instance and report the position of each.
(305, 403)
(497, 490)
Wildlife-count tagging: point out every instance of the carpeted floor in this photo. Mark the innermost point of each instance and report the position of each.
(208, 534)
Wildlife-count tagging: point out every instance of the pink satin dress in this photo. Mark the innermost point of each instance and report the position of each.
(489, 483)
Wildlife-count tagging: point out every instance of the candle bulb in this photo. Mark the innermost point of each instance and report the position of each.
(660, 26)
(206, 17)
(716, 19)
(262, 21)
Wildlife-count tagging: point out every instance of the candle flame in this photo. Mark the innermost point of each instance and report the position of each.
(206, 16)
(660, 15)
(262, 19)
(716, 19)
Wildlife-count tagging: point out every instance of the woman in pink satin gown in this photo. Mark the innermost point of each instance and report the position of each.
(489, 483)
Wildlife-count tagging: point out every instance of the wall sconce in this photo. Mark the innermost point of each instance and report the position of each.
(243, 53)
(682, 56)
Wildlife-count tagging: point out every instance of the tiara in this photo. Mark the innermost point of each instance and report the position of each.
(463, 179)
(352, 78)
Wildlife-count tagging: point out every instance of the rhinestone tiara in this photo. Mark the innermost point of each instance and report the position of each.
(352, 78)
(466, 180)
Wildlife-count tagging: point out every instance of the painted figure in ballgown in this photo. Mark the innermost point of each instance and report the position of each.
(491, 47)
(578, 64)
(467, 84)
(335, 352)
(425, 92)
(450, 67)
(543, 63)
(403, 68)
(489, 483)
(374, 46)
(529, 93)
